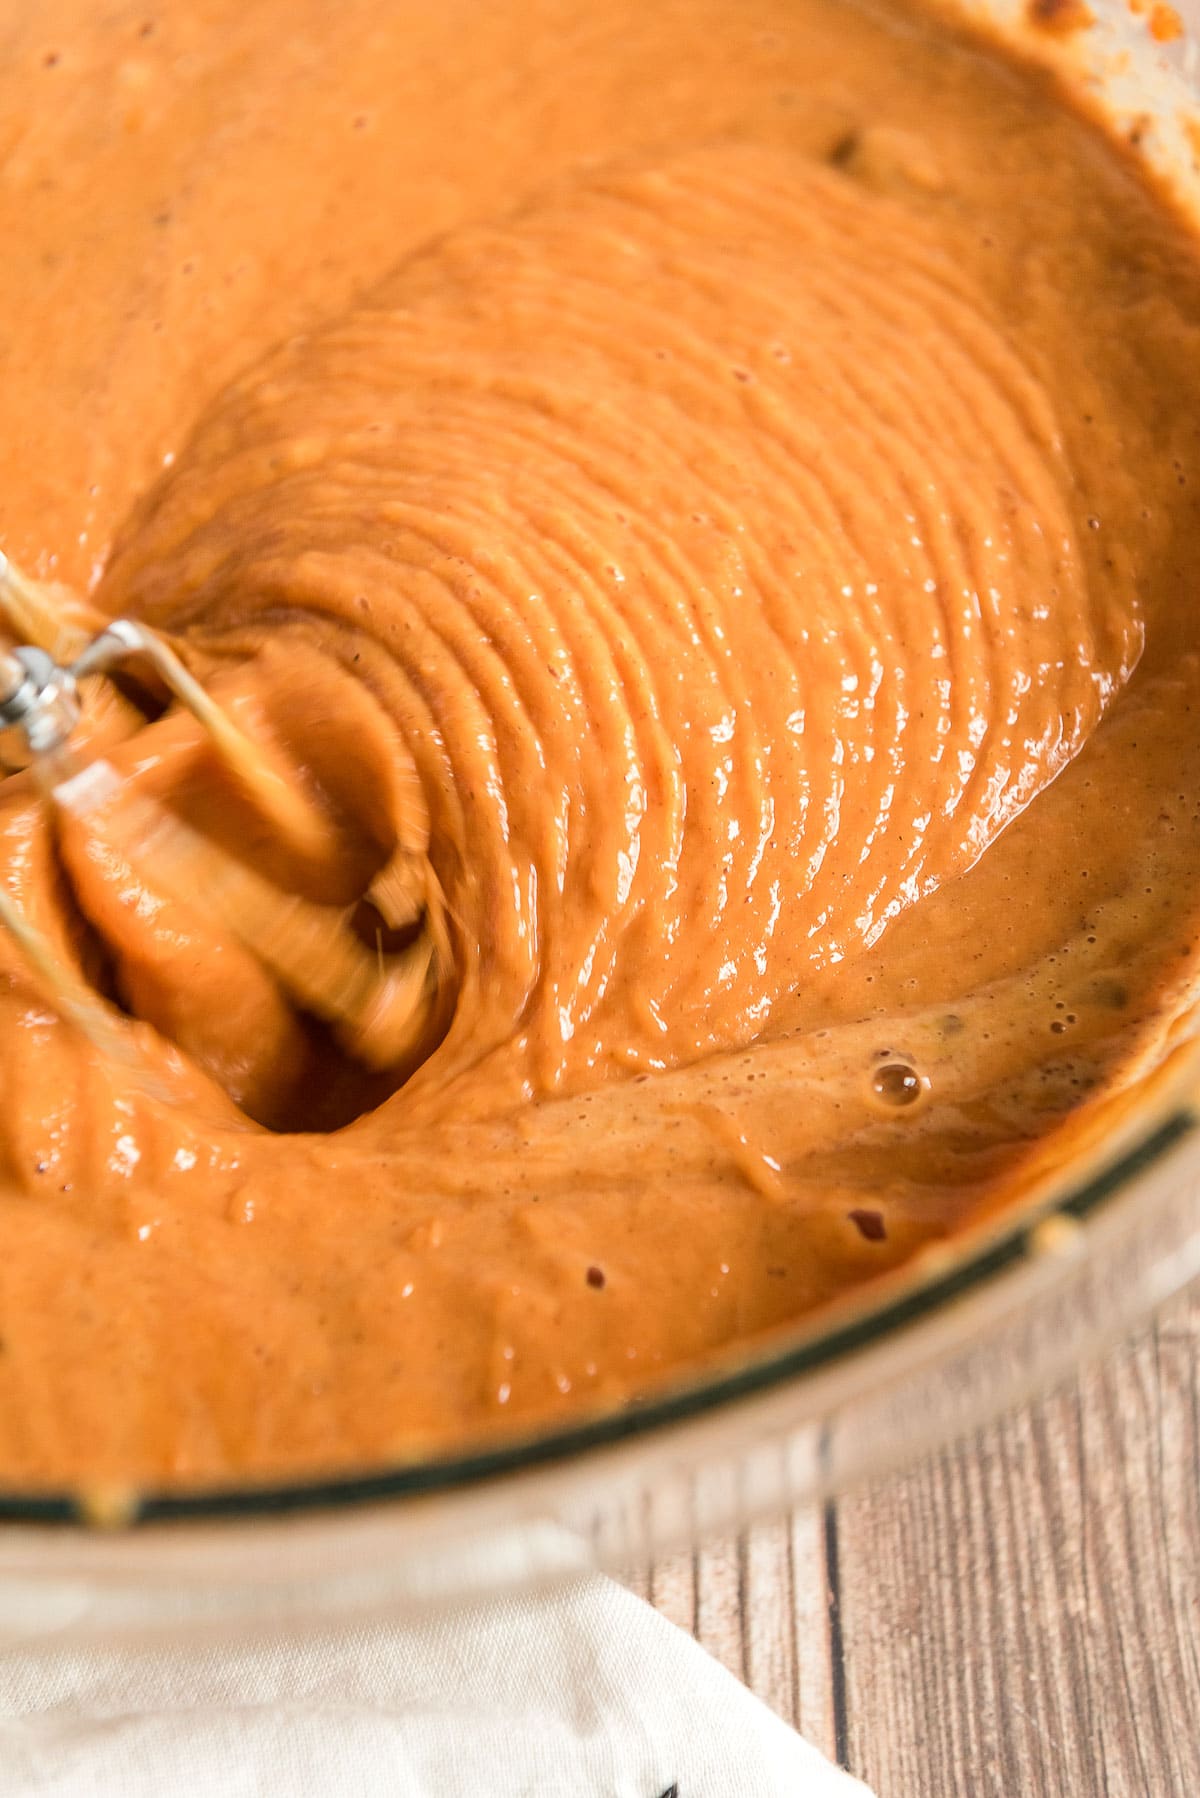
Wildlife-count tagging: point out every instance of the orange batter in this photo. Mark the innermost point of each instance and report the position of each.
(703, 498)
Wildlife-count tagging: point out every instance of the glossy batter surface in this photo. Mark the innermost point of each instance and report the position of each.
(703, 499)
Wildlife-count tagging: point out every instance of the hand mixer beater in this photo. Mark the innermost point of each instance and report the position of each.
(378, 1005)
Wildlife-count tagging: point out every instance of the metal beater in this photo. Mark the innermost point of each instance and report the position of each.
(377, 1003)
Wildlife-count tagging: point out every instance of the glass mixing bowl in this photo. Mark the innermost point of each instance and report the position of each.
(965, 1329)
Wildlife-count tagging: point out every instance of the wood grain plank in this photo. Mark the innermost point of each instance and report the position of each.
(673, 1590)
(1022, 1614)
(720, 1610)
(812, 1632)
(768, 1610)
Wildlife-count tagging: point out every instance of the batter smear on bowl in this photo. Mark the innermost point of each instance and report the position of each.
(701, 504)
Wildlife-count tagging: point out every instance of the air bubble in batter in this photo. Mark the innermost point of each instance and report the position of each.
(896, 1085)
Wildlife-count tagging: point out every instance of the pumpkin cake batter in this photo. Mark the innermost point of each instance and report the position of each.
(703, 499)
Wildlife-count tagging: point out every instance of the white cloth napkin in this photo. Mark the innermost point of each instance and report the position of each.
(581, 1691)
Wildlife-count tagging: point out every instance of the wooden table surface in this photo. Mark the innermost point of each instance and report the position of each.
(1015, 1617)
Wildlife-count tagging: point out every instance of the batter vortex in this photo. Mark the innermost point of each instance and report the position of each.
(712, 554)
